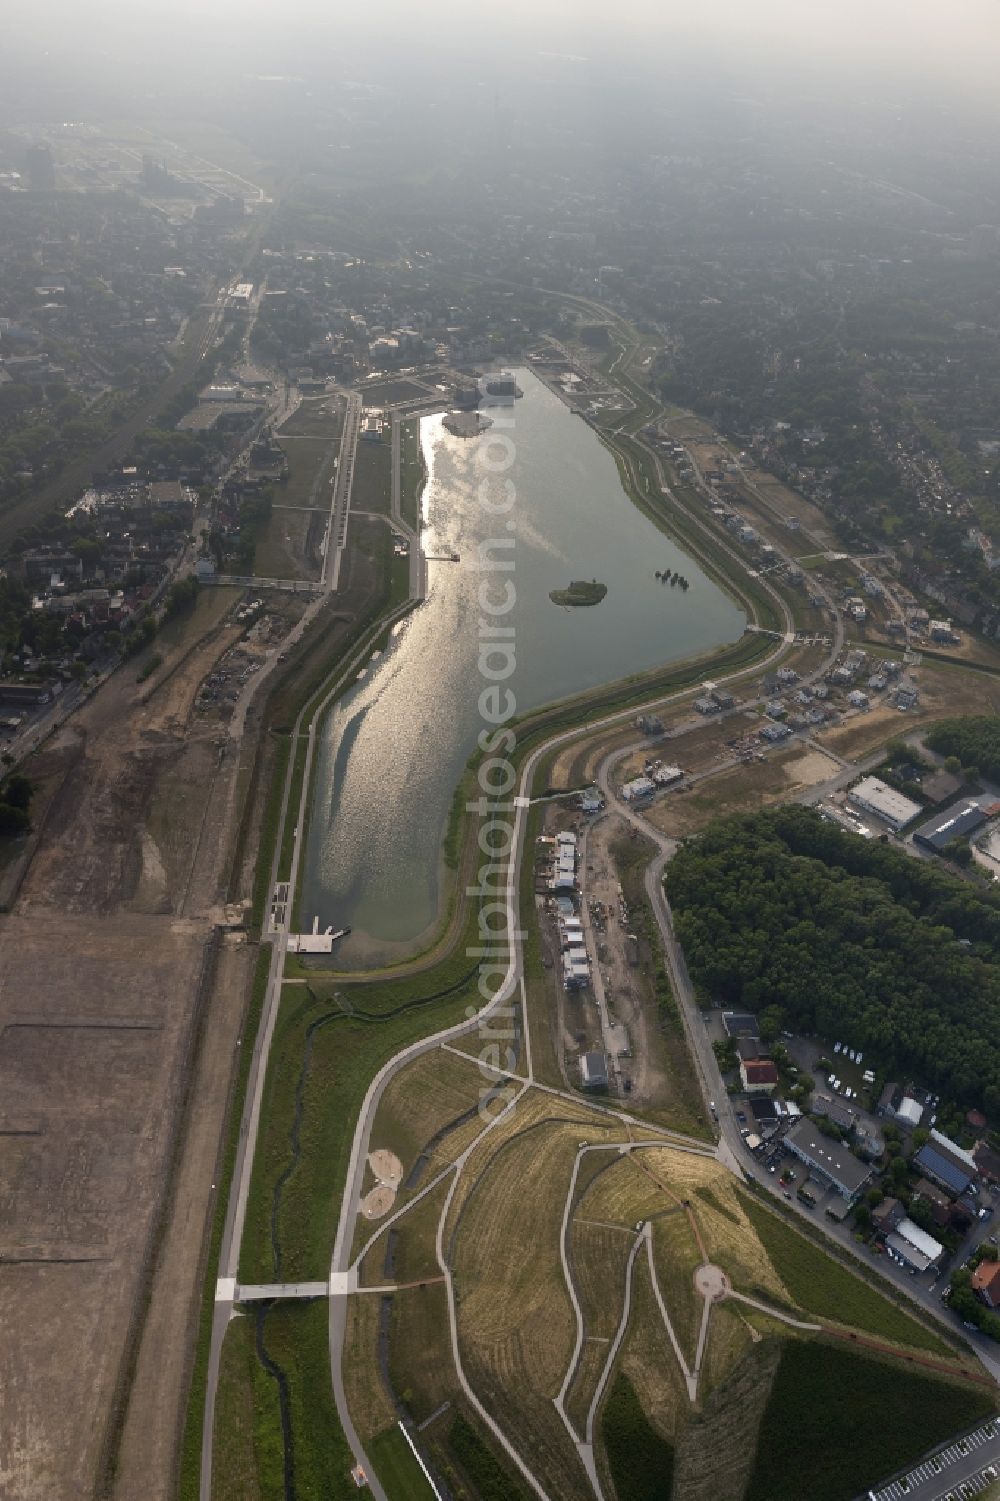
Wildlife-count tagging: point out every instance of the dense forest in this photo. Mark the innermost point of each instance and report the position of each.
(974, 740)
(850, 939)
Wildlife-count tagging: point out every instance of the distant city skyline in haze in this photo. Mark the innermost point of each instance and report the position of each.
(906, 41)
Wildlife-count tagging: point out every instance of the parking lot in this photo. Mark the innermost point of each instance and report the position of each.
(956, 1472)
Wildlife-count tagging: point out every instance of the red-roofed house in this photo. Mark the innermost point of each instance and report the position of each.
(759, 1075)
(986, 1282)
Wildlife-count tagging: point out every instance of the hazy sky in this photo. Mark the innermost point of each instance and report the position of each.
(958, 43)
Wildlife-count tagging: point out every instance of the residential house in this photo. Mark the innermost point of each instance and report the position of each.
(887, 1215)
(758, 1075)
(937, 1202)
(986, 1283)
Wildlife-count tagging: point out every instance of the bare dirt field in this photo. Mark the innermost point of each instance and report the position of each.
(774, 499)
(743, 789)
(943, 691)
(107, 961)
(698, 744)
(91, 1065)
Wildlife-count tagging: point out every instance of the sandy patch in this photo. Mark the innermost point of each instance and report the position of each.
(387, 1167)
(378, 1202)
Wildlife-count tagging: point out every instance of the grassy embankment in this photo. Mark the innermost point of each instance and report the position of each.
(251, 1459)
(823, 1287)
(465, 1452)
(836, 1421)
(329, 1042)
(413, 471)
(191, 1445)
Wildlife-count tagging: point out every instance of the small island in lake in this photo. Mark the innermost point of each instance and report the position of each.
(467, 424)
(580, 592)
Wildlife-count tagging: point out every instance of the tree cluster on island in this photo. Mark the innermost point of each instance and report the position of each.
(580, 592)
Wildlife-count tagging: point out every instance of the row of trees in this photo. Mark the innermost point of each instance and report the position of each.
(850, 939)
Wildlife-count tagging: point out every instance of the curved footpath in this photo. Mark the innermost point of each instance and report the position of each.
(731, 1146)
(232, 1234)
(732, 1149)
(340, 1264)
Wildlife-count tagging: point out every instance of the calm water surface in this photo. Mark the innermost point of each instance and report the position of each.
(393, 749)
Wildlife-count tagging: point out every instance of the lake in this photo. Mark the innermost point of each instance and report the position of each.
(393, 748)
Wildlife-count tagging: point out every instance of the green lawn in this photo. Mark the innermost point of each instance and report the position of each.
(387, 393)
(322, 1060)
(312, 419)
(823, 1287)
(247, 1445)
(394, 1464)
(308, 458)
(412, 470)
(372, 486)
(836, 1422)
(297, 1340)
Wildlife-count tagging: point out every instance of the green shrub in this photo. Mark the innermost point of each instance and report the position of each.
(492, 1482)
